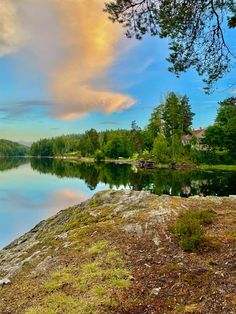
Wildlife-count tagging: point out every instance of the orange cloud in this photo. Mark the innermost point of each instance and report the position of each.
(63, 198)
(94, 44)
(73, 44)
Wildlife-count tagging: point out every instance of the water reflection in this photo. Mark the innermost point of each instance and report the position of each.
(162, 181)
(31, 191)
(11, 163)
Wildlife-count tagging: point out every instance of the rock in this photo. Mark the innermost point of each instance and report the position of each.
(156, 291)
(140, 220)
(4, 281)
(44, 264)
(62, 236)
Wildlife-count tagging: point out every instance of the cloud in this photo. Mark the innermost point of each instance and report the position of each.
(144, 67)
(233, 91)
(73, 45)
(56, 200)
(94, 45)
(10, 32)
(13, 110)
(63, 198)
(110, 122)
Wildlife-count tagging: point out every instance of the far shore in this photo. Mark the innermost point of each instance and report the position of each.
(178, 166)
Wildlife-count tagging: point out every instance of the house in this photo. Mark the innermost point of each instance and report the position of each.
(197, 134)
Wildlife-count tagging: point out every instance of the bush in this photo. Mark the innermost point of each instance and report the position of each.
(99, 156)
(189, 228)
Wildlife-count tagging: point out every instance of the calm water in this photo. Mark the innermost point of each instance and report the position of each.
(32, 190)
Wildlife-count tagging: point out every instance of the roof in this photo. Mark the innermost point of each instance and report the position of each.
(198, 133)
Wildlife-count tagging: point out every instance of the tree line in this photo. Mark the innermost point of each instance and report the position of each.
(161, 140)
(9, 148)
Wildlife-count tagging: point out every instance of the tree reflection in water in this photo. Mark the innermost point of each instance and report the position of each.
(161, 181)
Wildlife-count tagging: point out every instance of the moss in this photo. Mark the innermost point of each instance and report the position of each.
(120, 283)
(39, 310)
(59, 279)
(192, 308)
(98, 247)
(189, 278)
(174, 266)
(100, 290)
(96, 284)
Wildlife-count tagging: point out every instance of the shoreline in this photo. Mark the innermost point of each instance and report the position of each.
(178, 166)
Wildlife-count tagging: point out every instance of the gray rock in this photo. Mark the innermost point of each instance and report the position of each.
(156, 291)
(4, 281)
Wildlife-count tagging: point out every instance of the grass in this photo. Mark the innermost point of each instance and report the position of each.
(218, 167)
(58, 280)
(189, 228)
(95, 285)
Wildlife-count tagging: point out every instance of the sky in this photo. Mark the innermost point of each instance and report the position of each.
(65, 68)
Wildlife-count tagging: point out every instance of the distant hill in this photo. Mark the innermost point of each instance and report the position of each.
(9, 148)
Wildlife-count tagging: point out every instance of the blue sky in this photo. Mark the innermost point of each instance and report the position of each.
(38, 83)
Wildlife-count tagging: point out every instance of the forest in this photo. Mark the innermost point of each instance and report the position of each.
(9, 148)
(167, 138)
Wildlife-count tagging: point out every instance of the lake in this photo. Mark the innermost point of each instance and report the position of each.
(33, 190)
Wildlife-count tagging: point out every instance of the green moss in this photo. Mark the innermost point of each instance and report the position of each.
(189, 278)
(62, 303)
(174, 266)
(59, 279)
(98, 247)
(100, 290)
(39, 310)
(95, 285)
(120, 283)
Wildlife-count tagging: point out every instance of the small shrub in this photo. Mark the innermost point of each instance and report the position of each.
(99, 155)
(189, 227)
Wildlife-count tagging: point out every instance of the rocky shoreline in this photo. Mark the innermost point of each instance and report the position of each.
(152, 275)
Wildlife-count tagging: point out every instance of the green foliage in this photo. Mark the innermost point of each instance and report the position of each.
(161, 150)
(177, 115)
(189, 227)
(112, 144)
(212, 157)
(136, 138)
(99, 156)
(154, 126)
(11, 149)
(214, 137)
(222, 135)
(116, 147)
(146, 155)
(161, 140)
(194, 30)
